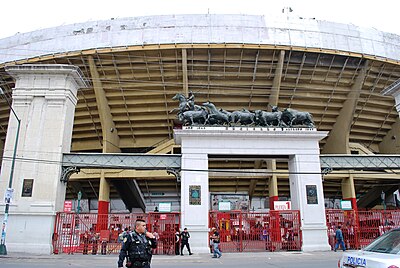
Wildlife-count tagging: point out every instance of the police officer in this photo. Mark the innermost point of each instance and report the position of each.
(185, 241)
(123, 237)
(138, 246)
(177, 242)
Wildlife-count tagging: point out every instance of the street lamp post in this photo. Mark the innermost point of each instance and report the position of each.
(3, 248)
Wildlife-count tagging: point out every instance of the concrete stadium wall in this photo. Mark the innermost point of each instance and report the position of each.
(201, 29)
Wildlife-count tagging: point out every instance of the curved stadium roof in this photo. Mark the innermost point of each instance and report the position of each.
(234, 61)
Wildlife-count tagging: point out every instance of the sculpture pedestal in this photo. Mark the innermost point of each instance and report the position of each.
(299, 145)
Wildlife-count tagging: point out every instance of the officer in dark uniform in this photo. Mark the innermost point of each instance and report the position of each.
(138, 246)
(177, 242)
(185, 241)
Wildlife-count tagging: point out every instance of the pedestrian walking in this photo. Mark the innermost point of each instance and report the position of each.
(339, 239)
(216, 240)
(185, 241)
(177, 242)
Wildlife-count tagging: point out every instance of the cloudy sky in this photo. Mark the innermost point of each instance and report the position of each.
(29, 15)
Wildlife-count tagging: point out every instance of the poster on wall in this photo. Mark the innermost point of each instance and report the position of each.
(312, 198)
(194, 195)
(27, 188)
(236, 201)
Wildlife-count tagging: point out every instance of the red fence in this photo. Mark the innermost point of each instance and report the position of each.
(251, 231)
(79, 233)
(240, 231)
(360, 227)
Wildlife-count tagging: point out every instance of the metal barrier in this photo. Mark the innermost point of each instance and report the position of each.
(251, 231)
(79, 233)
(164, 226)
(348, 220)
(239, 231)
(360, 227)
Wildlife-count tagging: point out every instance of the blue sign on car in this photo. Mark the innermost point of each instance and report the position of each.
(356, 261)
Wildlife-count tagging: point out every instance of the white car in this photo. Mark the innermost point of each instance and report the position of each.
(383, 252)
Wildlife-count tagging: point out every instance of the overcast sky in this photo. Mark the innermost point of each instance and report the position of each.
(29, 15)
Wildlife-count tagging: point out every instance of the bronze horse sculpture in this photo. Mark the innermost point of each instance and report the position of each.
(184, 104)
(215, 116)
(189, 113)
(208, 114)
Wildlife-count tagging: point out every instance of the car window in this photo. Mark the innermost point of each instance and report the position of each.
(388, 243)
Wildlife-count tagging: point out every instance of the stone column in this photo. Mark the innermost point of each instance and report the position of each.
(349, 191)
(273, 184)
(103, 203)
(195, 209)
(307, 195)
(44, 98)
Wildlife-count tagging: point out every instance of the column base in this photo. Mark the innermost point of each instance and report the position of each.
(198, 240)
(30, 233)
(315, 239)
(30, 248)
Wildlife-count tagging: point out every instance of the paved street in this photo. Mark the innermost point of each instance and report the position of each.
(231, 260)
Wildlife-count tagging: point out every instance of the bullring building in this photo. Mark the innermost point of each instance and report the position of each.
(105, 88)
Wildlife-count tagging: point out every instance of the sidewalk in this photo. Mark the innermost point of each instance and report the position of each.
(229, 260)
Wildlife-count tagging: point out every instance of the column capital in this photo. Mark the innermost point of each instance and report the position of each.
(19, 71)
(55, 82)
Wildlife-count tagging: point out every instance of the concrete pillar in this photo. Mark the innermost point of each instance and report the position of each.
(273, 184)
(110, 143)
(44, 98)
(195, 199)
(307, 195)
(349, 192)
(103, 203)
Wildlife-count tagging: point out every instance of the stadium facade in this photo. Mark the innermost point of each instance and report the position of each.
(126, 71)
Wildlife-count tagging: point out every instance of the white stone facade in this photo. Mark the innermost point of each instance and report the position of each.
(301, 146)
(201, 29)
(44, 99)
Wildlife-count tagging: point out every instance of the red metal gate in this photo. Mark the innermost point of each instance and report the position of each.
(164, 226)
(77, 233)
(360, 227)
(251, 231)
(240, 231)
